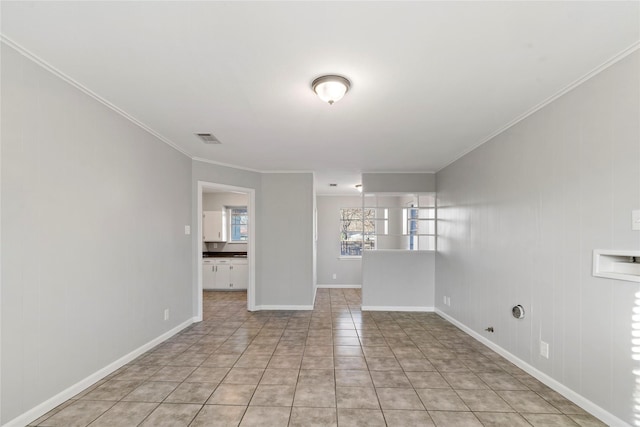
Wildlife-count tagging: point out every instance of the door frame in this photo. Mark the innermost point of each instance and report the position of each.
(251, 244)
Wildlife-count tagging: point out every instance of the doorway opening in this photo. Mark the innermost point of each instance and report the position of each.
(234, 242)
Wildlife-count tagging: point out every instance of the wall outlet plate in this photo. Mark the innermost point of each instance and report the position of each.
(635, 220)
(544, 349)
(187, 230)
(166, 314)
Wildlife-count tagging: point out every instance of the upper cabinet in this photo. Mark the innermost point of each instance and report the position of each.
(214, 226)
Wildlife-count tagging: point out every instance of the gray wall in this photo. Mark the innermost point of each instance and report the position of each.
(285, 245)
(284, 231)
(348, 271)
(218, 202)
(93, 244)
(398, 182)
(398, 280)
(519, 219)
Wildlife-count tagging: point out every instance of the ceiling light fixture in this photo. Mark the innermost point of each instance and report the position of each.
(331, 88)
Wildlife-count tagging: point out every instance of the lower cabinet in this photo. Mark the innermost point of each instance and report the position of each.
(224, 274)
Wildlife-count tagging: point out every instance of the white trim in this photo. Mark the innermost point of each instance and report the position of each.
(251, 244)
(605, 416)
(53, 70)
(284, 307)
(597, 70)
(46, 406)
(227, 165)
(340, 286)
(395, 308)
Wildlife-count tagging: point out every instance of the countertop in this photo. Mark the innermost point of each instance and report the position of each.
(224, 255)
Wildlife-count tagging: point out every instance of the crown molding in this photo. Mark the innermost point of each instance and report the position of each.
(597, 70)
(227, 165)
(53, 70)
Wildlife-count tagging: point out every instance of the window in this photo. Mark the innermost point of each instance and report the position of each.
(403, 221)
(238, 224)
(357, 231)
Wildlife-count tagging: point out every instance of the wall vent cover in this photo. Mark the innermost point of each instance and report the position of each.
(208, 138)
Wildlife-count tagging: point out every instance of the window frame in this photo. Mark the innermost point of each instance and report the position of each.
(230, 215)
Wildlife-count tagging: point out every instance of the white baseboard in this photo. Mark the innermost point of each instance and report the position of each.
(345, 286)
(46, 406)
(284, 307)
(394, 308)
(605, 416)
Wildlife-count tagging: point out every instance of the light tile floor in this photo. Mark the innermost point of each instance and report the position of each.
(331, 366)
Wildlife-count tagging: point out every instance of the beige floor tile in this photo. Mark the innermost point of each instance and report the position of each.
(347, 351)
(441, 400)
(342, 362)
(243, 376)
(360, 418)
(219, 416)
(527, 401)
(390, 379)
(464, 381)
(207, 375)
(125, 414)
(280, 377)
(501, 419)
(397, 418)
(454, 419)
(79, 413)
(192, 393)
(172, 415)
(484, 401)
(353, 378)
(312, 396)
(317, 377)
(319, 367)
(112, 390)
(357, 398)
(549, 420)
(273, 395)
(399, 398)
(152, 391)
(260, 416)
(383, 364)
(427, 380)
(313, 417)
(172, 373)
(232, 394)
(317, 362)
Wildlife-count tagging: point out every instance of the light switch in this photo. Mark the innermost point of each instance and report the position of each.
(635, 220)
(187, 229)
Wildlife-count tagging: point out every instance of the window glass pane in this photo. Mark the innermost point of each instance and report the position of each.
(239, 224)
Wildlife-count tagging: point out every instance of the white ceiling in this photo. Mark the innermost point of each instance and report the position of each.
(430, 80)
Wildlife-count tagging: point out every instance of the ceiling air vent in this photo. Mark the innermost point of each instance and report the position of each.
(208, 138)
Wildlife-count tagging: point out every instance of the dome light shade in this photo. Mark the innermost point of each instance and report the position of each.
(331, 88)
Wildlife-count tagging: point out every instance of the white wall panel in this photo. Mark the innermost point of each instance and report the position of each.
(519, 219)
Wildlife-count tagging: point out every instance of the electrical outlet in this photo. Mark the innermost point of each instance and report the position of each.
(444, 300)
(635, 220)
(449, 301)
(335, 276)
(166, 314)
(187, 229)
(544, 349)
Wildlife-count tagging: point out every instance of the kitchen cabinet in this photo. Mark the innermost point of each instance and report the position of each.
(214, 226)
(208, 274)
(239, 273)
(224, 274)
